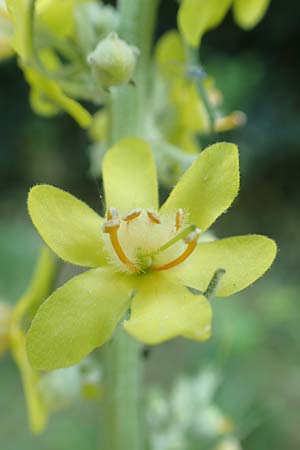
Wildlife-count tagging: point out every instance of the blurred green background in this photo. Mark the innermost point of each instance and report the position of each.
(256, 341)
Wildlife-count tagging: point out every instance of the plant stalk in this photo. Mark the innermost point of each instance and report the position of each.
(123, 425)
(122, 394)
(128, 103)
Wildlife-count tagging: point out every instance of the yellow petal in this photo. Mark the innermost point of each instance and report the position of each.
(67, 225)
(248, 13)
(78, 317)
(195, 17)
(208, 187)
(53, 93)
(129, 176)
(163, 309)
(170, 55)
(245, 259)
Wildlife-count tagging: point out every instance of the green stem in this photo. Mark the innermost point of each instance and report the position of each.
(123, 426)
(121, 401)
(128, 103)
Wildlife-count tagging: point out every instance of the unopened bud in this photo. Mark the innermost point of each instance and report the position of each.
(113, 61)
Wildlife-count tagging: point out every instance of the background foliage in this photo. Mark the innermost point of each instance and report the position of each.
(257, 337)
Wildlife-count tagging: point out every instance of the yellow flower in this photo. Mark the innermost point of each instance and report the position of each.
(196, 17)
(142, 257)
(47, 95)
(190, 116)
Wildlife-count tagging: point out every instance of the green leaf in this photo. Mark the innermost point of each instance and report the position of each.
(245, 259)
(78, 317)
(163, 309)
(208, 187)
(195, 17)
(129, 176)
(247, 13)
(67, 225)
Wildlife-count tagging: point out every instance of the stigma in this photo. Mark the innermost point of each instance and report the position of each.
(141, 240)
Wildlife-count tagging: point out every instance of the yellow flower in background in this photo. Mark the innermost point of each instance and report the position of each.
(247, 13)
(142, 257)
(196, 17)
(47, 95)
(190, 116)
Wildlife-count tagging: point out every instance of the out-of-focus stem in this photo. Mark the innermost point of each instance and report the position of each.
(128, 103)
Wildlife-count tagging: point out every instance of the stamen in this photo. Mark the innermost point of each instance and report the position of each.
(191, 240)
(182, 235)
(179, 219)
(132, 215)
(153, 216)
(111, 227)
(112, 213)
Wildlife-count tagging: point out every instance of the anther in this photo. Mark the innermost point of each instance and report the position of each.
(153, 216)
(110, 225)
(132, 215)
(179, 219)
(112, 213)
(192, 236)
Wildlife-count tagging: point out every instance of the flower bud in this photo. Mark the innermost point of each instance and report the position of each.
(5, 319)
(113, 61)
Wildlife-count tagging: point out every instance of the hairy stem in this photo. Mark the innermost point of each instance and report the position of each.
(122, 402)
(128, 103)
(122, 368)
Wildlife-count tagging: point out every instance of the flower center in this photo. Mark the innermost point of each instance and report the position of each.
(142, 241)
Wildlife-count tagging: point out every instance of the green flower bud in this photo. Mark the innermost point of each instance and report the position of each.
(5, 319)
(113, 61)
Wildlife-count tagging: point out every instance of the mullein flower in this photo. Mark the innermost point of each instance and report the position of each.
(142, 257)
(196, 17)
(188, 113)
(48, 95)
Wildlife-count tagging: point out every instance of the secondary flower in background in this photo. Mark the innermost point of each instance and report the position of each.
(196, 17)
(143, 257)
(185, 110)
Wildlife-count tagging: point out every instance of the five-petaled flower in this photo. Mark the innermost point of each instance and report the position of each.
(142, 257)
